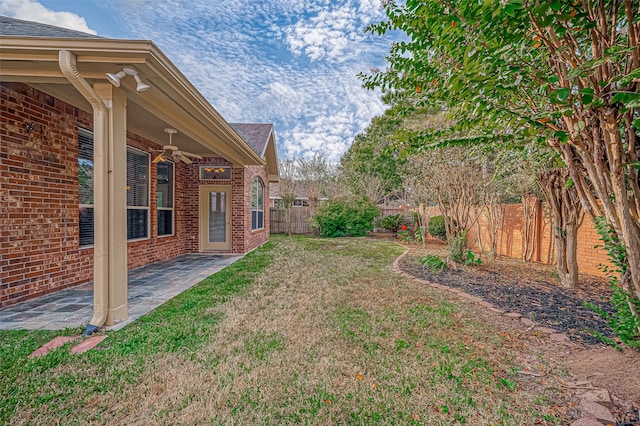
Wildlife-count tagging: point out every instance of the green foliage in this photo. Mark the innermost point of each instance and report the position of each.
(623, 321)
(371, 156)
(472, 259)
(458, 247)
(433, 263)
(487, 63)
(392, 223)
(437, 228)
(406, 236)
(345, 218)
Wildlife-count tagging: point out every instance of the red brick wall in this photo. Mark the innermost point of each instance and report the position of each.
(157, 248)
(39, 231)
(38, 194)
(242, 238)
(192, 197)
(252, 239)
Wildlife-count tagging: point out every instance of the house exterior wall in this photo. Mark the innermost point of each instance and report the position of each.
(252, 239)
(39, 229)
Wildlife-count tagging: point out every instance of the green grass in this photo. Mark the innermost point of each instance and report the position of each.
(300, 331)
(181, 325)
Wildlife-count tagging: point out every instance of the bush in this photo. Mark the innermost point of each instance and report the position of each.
(433, 263)
(392, 223)
(437, 228)
(345, 218)
(458, 248)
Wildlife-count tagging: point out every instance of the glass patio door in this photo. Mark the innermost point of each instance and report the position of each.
(215, 218)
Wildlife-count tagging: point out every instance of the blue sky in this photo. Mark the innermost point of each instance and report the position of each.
(293, 63)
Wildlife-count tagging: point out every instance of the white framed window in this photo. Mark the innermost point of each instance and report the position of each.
(257, 204)
(85, 186)
(137, 194)
(165, 202)
(300, 203)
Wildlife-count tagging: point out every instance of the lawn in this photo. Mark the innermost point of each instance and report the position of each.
(300, 331)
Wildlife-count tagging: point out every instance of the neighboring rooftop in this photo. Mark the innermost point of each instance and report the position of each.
(21, 28)
(256, 135)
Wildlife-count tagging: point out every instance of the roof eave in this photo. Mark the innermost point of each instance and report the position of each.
(19, 54)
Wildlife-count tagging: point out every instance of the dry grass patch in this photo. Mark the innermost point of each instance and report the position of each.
(327, 334)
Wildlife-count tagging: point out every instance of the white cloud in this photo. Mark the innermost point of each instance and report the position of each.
(325, 35)
(31, 10)
(240, 55)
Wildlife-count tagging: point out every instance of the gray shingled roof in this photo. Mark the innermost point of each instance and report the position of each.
(256, 135)
(20, 28)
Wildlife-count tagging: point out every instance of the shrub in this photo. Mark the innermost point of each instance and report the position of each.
(392, 223)
(345, 218)
(458, 248)
(624, 319)
(433, 263)
(437, 228)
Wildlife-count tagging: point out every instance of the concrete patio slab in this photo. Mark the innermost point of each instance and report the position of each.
(149, 287)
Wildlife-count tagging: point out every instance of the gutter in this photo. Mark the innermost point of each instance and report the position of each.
(67, 63)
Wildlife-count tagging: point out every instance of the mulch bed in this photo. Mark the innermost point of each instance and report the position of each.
(529, 290)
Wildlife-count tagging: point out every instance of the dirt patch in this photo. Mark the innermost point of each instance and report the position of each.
(617, 371)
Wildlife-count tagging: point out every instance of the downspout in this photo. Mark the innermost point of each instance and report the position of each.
(67, 62)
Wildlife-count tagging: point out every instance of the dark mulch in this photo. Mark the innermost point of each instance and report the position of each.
(523, 288)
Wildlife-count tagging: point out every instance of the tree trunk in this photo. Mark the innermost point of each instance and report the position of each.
(530, 205)
(567, 215)
(287, 221)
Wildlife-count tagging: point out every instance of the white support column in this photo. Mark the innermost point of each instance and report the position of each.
(116, 209)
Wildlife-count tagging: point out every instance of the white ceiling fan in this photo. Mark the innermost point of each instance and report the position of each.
(171, 152)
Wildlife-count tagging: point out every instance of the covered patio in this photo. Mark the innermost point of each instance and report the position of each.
(148, 287)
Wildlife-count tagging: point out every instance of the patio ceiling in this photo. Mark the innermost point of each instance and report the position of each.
(172, 100)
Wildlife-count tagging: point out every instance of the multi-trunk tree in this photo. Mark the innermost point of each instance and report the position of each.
(565, 72)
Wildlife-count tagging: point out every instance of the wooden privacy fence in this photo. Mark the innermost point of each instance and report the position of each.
(511, 238)
(300, 217)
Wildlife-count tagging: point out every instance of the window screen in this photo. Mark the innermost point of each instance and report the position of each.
(85, 186)
(257, 204)
(137, 194)
(165, 198)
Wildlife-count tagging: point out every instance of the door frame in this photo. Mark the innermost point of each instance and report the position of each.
(203, 218)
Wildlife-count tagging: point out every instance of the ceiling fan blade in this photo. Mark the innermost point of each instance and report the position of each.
(192, 155)
(185, 159)
(159, 159)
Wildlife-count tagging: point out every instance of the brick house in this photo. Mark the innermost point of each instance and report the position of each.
(87, 190)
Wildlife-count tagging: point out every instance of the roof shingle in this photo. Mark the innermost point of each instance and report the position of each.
(21, 28)
(256, 135)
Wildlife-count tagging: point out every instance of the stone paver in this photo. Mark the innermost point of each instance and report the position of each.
(586, 422)
(596, 411)
(600, 396)
(559, 337)
(527, 322)
(88, 344)
(53, 344)
(149, 287)
(546, 330)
